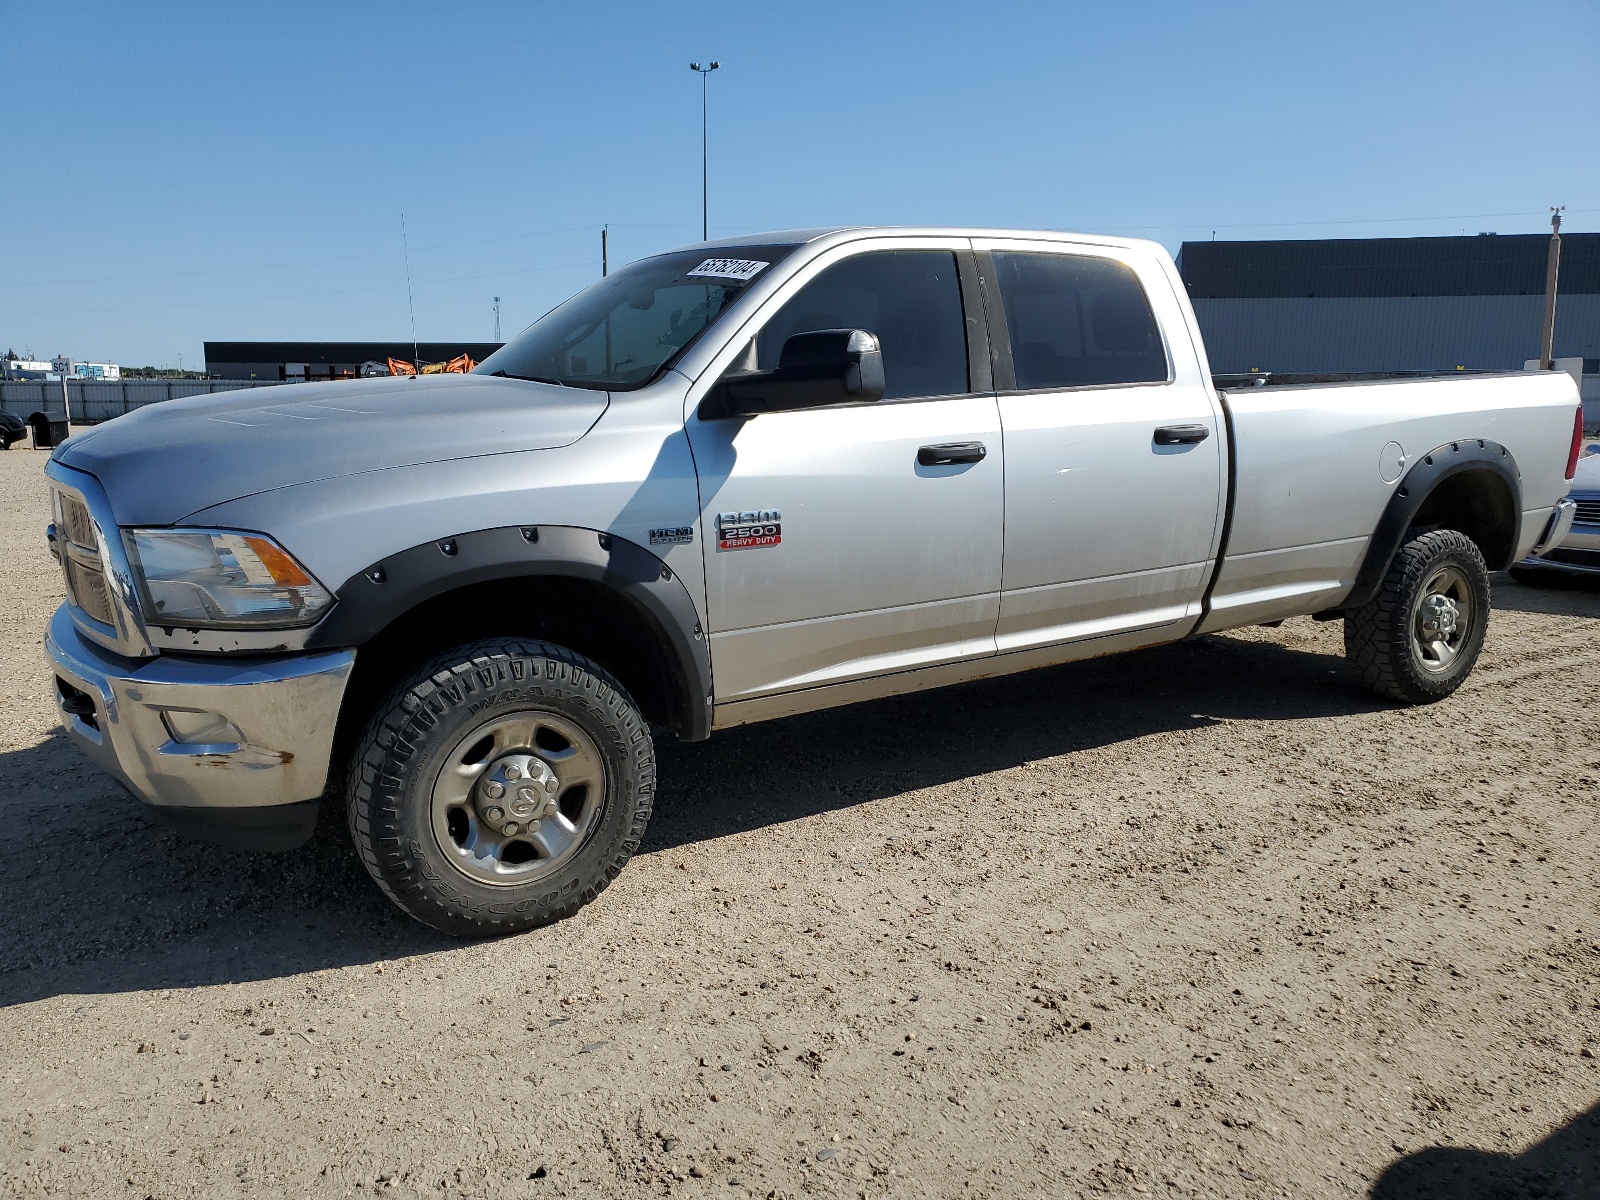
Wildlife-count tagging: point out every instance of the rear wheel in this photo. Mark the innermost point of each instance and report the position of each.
(502, 786)
(1418, 638)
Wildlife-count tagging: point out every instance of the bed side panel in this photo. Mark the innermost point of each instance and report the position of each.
(1316, 466)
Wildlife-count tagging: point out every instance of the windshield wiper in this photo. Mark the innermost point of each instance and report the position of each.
(529, 378)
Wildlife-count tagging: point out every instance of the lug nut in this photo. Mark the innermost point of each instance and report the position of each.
(495, 813)
(509, 828)
(550, 785)
(511, 771)
(533, 826)
(550, 809)
(494, 789)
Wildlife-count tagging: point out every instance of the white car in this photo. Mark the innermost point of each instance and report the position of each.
(1579, 552)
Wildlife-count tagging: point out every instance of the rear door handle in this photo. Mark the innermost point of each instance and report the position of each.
(1181, 435)
(951, 452)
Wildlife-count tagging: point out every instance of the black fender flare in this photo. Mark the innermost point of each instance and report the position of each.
(380, 593)
(1418, 483)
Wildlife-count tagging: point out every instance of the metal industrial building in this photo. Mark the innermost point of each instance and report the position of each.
(1393, 304)
(296, 361)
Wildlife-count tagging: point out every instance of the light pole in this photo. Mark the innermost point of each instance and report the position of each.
(1552, 270)
(497, 318)
(705, 177)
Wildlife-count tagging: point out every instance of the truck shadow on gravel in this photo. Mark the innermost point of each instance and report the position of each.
(1556, 594)
(785, 770)
(99, 897)
(1565, 1166)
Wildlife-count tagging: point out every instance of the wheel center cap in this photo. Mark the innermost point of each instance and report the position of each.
(1438, 616)
(516, 793)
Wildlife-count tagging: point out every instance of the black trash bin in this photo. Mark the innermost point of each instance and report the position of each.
(48, 432)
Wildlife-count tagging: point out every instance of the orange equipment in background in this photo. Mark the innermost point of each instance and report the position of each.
(460, 365)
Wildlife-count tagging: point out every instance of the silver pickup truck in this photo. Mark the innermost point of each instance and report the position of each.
(728, 483)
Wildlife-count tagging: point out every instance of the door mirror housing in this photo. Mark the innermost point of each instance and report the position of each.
(825, 366)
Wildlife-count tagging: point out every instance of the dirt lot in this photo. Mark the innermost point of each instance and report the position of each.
(1201, 921)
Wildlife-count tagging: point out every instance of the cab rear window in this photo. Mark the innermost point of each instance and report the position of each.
(1075, 320)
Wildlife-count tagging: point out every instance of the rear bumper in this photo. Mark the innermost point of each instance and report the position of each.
(210, 739)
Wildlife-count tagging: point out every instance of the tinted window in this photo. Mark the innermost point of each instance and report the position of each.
(623, 330)
(910, 299)
(1077, 321)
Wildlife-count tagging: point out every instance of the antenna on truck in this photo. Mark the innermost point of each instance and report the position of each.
(405, 249)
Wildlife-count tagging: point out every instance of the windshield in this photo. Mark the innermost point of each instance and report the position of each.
(623, 331)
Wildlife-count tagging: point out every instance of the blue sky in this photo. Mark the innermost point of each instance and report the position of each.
(182, 172)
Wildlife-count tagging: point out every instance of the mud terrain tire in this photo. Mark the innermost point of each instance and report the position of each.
(1418, 638)
(507, 718)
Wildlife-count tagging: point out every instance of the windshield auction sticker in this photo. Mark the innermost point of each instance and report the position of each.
(741, 270)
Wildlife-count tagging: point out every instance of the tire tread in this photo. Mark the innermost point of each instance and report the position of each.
(419, 703)
(1377, 636)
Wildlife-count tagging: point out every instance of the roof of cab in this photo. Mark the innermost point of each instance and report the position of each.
(797, 237)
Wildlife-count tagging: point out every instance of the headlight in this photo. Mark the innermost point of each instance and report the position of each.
(219, 579)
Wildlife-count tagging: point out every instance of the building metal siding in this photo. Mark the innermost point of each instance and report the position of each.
(1487, 265)
(1390, 333)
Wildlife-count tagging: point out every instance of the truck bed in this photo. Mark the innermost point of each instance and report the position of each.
(1314, 463)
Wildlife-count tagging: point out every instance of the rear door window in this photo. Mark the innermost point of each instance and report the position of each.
(1077, 321)
(911, 299)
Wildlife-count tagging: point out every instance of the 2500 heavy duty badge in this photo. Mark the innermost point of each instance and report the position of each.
(750, 529)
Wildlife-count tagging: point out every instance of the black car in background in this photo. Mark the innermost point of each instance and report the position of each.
(12, 429)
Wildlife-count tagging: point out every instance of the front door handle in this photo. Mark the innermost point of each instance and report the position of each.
(951, 452)
(1181, 435)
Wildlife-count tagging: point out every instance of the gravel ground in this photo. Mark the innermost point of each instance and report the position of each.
(1200, 921)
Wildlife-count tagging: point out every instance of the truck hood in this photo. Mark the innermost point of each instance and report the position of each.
(162, 462)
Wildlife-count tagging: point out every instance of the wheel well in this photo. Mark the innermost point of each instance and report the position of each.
(579, 614)
(1478, 504)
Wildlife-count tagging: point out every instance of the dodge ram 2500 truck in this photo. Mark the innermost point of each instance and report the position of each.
(730, 483)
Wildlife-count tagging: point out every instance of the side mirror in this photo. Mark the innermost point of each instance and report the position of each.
(826, 366)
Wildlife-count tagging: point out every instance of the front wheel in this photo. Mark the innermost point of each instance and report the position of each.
(503, 785)
(1418, 638)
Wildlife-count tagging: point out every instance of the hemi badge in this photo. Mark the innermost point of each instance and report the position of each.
(680, 536)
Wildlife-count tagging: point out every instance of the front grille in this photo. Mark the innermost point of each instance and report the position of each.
(1588, 511)
(94, 563)
(86, 587)
(79, 541)
(76, 523)
(1575, 558)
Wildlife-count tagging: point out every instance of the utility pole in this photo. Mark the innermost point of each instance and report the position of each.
(705, 175)
(497, 318)
(411, 307)
(1552, 270)
(605, 265)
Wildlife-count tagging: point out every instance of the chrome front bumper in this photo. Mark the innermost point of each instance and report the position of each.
(183, 732)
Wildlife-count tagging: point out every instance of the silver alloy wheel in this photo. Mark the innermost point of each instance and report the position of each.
(1442, 619)
(517, 796)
